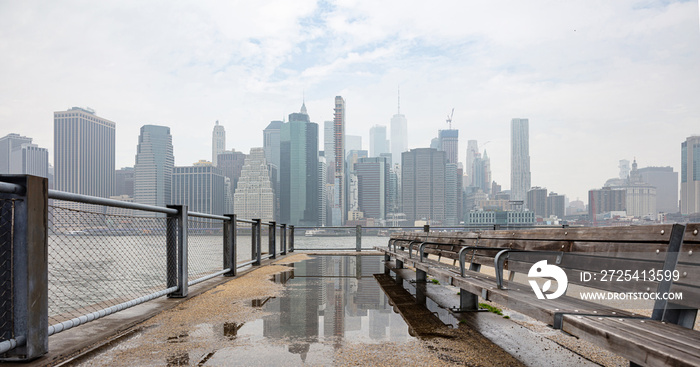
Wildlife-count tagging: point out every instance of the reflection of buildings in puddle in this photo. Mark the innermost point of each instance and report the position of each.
(180, 359)
(231, 329)
(182, 338)
(283, 277)
(302, 349)
(260, 302)
(333, 298)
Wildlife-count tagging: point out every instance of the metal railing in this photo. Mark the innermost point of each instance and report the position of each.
(106, 255)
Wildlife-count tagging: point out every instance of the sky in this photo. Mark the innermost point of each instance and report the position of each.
(599, 81)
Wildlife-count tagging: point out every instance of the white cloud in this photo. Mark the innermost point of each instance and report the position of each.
(600, 81)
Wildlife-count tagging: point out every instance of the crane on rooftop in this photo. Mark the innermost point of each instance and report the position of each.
(449, 119)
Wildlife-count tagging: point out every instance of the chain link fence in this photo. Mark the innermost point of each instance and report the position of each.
(98, 260)
(6, 268)
(205, 252)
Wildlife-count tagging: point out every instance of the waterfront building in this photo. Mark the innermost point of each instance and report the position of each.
(124, 182)
(449, 143)
(519, 159)
(524, 218)
(339, 202)
(378, 143)
(8, 144)
(641, 197)
(19, 156)
(299, 170)
(254, 196)
(84, 152)
(537, 201)
(373, 186)
(453, 192)
(666, 182)
(607, 199)
(423, 185)
(556, 205)
(201, 188)
(218, 142)
(154, 166)
(690, 175)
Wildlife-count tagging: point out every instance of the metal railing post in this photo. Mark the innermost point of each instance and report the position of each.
(230, 246)
(358, 238)
(258, 247)
(291, 238)
(253, 246)
(272, 238)
(283, 239)
(177, 250)
(26, 243)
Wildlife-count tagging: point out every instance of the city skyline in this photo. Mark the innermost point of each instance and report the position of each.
(598, 82)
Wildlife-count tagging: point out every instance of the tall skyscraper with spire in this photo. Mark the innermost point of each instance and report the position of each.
(399, 133)
(472, 152)
(519, 159)
(690, 175)
(218, 142)
(153, 170)
(340, 212)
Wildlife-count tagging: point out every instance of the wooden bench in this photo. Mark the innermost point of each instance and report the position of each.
(585, 255)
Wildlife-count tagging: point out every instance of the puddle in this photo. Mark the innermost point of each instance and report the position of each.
(324, 311)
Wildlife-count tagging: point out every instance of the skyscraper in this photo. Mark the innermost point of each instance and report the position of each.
(449, 143)
(201, 188)
(472, 151)
(19, 156)
(373, 186)
(423, 185)
(329, 149)
(271, 142)
(537, 201)
(399, 134)
(84, 152)
(666, 182)
(254, 197)
(452, 193)
(339, 214)
(555, 205)
(690, 175)
(218, 142)
(153, 170)
(231, 163)
(378, 143)
(7, 144)
(519, 159)
(299, 170)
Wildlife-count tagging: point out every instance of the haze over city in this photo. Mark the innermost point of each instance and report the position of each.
(599, 82)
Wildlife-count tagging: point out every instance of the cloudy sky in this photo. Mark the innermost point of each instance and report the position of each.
(600, 81)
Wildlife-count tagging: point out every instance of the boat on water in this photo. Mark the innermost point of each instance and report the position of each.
(314, 232)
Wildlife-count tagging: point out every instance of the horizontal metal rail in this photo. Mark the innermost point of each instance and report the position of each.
(11, 188)
(207, 277)
(245, 221)
(69, 196)
(11, 344)
(63, 326)
(241, 265)
(208, 216)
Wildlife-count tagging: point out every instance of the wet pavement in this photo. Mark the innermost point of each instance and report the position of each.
(324, 310)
